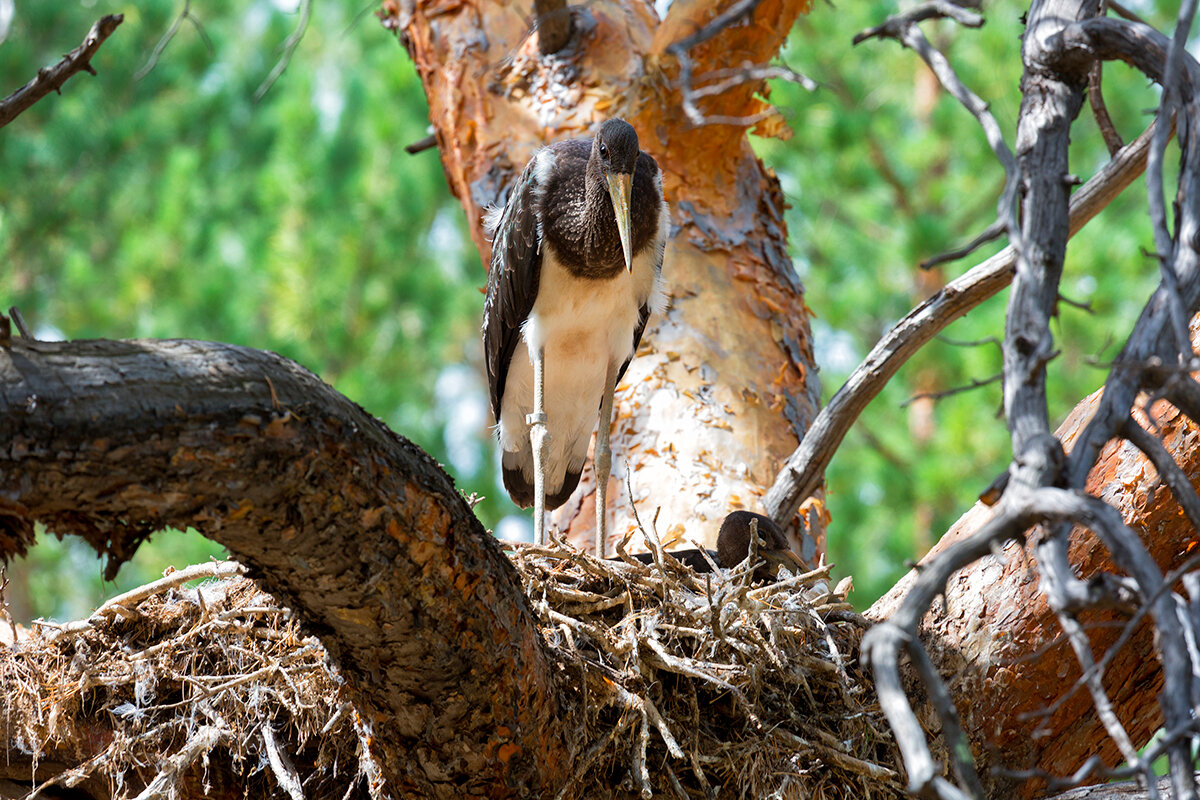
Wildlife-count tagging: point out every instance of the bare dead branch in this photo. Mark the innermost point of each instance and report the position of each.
(1055, 574)
(289, 48)
(974, 384)
(992, 340)
(51, 79)
(1145, 49)
(990, 234)
(726, 79)
(903, 28)
(895, 25)
(421, 145)
(883, 644)
(805, 468)
(1058, 554)
(1123, 11)
(185, 14)
(1170, 643)
(19, 320)
(680, 49)
(1112, 139)
(730, 16)
(1154, 178)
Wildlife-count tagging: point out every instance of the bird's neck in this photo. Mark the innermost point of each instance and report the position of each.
(601, 240)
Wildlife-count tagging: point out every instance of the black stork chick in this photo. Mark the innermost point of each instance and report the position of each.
(576, 272)
(733, 544)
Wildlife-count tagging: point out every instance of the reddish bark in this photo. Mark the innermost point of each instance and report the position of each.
(998, 643)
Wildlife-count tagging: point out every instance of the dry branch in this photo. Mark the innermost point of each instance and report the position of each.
(1058, 54)
(51, 79)
(805, 468)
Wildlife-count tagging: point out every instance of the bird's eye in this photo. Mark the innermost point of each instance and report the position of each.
(603, 150)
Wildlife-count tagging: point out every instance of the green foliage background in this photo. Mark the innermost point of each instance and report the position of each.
(176, 205)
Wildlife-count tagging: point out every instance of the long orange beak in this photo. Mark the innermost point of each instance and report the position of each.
(620, 187)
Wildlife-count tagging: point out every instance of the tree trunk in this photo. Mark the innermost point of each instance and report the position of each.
(353, 527)
(724, 384)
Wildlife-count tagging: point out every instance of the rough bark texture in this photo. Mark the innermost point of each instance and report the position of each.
(1000, 645)
(355, 528)
(725, 383)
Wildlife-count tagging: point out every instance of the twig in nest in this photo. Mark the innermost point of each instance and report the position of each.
(51, 79)
(201, 742)
(281, 764)
(213, 569)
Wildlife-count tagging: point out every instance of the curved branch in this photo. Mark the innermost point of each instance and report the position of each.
(804, 469)
(355, 528)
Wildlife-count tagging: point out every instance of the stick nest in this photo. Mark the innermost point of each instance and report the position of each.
(708, 685)
(688, 686)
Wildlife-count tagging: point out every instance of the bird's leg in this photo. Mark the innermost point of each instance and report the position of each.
(603, 459)
(539, 439)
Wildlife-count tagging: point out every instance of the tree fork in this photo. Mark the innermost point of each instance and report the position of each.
(354, 527)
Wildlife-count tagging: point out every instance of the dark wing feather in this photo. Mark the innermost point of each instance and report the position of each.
(512, 280)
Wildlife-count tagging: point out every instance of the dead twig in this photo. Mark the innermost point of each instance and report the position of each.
(51, 79)
(289, 48)
(185, 14)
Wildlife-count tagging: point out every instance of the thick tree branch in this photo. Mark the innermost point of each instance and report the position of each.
(51, 79)
(355, 528)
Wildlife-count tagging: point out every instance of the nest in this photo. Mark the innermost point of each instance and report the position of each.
(708, 685)
(211, 691)
(690, 685)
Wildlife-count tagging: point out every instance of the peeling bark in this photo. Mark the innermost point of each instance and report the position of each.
(355, 528)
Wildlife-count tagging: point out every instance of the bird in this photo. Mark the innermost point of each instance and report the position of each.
(733, 545)
(575, 274)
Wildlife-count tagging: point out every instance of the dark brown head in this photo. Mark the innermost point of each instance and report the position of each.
(614, 156)
(733, 543)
